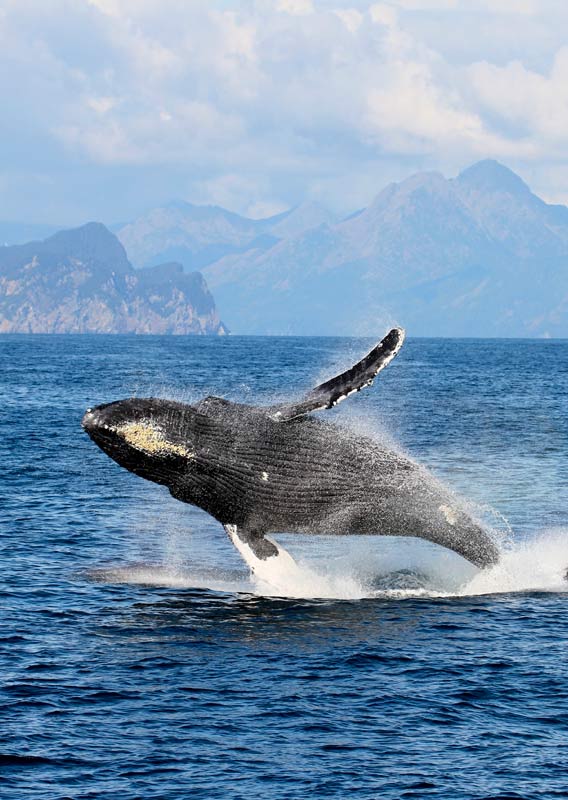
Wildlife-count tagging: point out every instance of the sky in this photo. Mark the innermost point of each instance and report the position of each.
(112, 107)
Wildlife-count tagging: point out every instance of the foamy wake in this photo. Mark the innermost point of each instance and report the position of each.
(366, 567)
(537, 564)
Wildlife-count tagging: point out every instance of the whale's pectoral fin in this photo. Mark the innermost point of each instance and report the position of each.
(260, 547)
(362, 374)
(265, 558)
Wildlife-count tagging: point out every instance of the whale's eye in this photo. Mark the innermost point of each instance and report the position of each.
(149, 439)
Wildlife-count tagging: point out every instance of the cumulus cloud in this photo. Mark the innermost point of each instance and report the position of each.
(259, 105)
(529, 101)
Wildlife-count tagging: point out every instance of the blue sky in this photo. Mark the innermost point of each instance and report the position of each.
(114, 106)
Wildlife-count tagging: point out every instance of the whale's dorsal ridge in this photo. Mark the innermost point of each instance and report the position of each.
(333, 391)
(211, 403)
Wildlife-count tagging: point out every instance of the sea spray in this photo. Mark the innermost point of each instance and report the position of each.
(368, 567)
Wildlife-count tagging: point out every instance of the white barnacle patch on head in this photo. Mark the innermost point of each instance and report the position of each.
(449, 514)
(151, 440)
(264, 476)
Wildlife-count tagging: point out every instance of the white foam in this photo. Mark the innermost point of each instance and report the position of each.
(283, 576)
(352, 568)
(536, 564)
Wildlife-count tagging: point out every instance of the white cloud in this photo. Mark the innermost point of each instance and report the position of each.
(383, 14)
(265, 103)
(102, 104)
(350, 17)
(296, 7)
(427, 5)
(109, 7)
(525, 7)
(528, 101)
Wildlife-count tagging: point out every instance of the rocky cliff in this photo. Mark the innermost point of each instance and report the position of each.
(81, 281)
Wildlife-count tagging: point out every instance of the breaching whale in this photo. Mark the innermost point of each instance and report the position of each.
(278, 469)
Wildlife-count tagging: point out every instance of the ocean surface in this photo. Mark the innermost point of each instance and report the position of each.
(139, 659)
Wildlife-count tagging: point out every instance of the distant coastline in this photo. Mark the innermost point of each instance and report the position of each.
(476, 256)
(81, 281)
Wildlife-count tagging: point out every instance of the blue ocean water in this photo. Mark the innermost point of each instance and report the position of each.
(140, 660)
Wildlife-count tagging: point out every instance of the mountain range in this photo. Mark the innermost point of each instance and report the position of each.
(81, 281)
(479, 255)
(475, 255)
(200, 235)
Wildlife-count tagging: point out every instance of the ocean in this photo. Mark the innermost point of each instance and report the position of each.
(139, 659)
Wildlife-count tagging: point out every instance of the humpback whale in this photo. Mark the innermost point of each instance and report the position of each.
(278, 469)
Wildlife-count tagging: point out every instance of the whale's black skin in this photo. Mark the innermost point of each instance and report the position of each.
(265, 471)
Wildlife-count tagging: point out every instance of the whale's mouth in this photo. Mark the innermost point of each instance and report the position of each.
(99, 420)
(96, 425)
(154, 428)
(142, 435)
(135, 437)
(104, 434)
(102, 430)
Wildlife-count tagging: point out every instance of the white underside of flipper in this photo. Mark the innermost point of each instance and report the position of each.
(281, 574)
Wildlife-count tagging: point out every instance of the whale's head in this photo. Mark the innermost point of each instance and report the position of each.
(156, 439)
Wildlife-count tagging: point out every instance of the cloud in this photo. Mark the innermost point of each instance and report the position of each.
(516, 7)
(101, 104)
(383, 14)
(350, 17)
(110, 7)
(262, 104)
(528, 101)
(295, 7)
(427, 5)
(528, 7)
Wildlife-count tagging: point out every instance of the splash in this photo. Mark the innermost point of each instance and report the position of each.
(536, 564)
(413, 568)
(289, 578)
(369, 567)
(170, 577)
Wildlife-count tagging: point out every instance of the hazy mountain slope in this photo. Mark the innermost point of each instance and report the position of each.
(510, 213)
(193, 235)
(199, 235)
(80, 281)
(479, 255)
(297, 220)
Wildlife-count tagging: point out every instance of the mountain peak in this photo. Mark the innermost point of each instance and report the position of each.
(178, 205)
(89, 234)
(396, 195)
(90, 242)
(80, 281)
(303, 217)
(491, 175)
